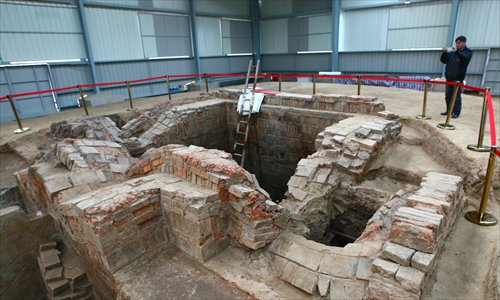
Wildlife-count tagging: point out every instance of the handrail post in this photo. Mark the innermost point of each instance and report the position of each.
(314, 84)
(168, 87)
(479, 147)
(423, 116)
(279, 80)
(481, 217)
(82, 97)
(21, 128)
(129, 96)
(359, 85)
(447, 124)
(206, 82)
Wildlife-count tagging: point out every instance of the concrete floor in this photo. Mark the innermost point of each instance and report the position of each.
(468, 267)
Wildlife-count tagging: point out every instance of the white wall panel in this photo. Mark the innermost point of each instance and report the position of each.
(114, 34)
(37, 46)
(150, 47)
(414, 38)
(320, 24)
(240, 8)
(320, 33)
(271, 8)
(352, 4)
(419, 26)
(274, 36)
(411, 16)
(39, 32)
(363, 30)
(479, 21)
(181, 5)
(118, 2)
(208, 32)
(146, 24)
(36, 18)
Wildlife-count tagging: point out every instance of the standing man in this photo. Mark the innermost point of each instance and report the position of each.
(456, 59)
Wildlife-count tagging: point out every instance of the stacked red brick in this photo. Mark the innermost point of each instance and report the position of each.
(117, 224)
(416, 238)
(249, 210)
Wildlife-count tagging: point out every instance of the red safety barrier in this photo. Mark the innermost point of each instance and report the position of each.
(42, 92)
(296, 76)
(102, 84)
(147, 79)
(3, 98)
(473, 88)
(185, 75)
(337, 76)
(492, 120)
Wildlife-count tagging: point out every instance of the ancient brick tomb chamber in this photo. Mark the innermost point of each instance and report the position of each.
(166, 178)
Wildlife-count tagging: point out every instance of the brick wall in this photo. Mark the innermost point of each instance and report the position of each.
(414, 235)
(278, 139)
(202, 124)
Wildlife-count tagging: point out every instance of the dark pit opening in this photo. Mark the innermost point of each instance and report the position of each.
(279, 138)
(352, 208)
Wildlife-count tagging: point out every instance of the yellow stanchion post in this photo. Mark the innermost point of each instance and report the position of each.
(447, 124)
(82, 98)
(314, 84)
(481, 217)
(168, 87)
(206, 82)
(14, 110)
(479, 147)
(130, 96)
(359, 85)
(423, 116)
(279, 80)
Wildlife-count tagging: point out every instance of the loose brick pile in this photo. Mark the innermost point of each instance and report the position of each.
(97, 128)
(417, 234)
(96, 154)
(63, 278)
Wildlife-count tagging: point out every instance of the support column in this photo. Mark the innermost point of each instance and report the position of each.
(451, 28)
(192, 15)
(255, 8)
(453, 23)
(335, 34)
(86, 41)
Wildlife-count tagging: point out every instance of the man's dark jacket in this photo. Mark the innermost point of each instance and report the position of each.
(456, 64)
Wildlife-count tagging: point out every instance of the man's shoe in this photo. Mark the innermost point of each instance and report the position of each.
(454, 116)
(444, 113)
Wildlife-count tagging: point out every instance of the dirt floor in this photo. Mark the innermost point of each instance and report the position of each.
(468, 267)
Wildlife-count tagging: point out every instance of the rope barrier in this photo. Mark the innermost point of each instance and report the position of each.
(88, 85)
(492, 120)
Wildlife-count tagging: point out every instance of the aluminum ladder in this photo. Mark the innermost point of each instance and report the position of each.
(243, 126)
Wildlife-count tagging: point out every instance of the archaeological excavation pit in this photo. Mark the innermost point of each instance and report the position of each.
(319, 178)
(288, 129)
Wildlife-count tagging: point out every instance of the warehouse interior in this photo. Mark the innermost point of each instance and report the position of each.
(138, 173)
